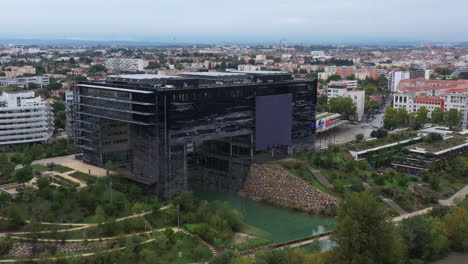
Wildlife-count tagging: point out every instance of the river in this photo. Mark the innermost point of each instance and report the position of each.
(272, 223)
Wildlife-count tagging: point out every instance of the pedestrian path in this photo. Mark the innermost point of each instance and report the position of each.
(212, 249)
(320, 177)
(388, 201)
(461, 194)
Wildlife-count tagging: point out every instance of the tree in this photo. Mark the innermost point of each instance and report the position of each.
(421, 117)
(4, 198)
(322, 101)
(379, 133)
(456, 224)
(452, 117)
(55, 86)
(371, 106)
(100, 217)
(23, 175)
(443, 71)
(424, 237)
(390, 121)
(437, 116)
(334, 77)
(363, 235)
(33, 86)
(43, 182)
(359, 137)
(342, 105)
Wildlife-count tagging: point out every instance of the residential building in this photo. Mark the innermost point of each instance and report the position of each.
(125, 65)
(24, 118)
(348, 88)
(19, 71)
(395, 77)
(248, 67)
(345, 71)
(206, 127)
(23, 82)
(444, 94)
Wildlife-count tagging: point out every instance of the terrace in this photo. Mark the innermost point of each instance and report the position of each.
(360, 150)
(442, 146)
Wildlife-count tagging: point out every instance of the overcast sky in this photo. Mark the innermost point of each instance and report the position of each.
(236, 20)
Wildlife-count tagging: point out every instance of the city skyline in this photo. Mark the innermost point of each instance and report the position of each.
(261, 21)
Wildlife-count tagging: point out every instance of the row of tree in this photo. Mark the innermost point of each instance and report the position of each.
(395, 118)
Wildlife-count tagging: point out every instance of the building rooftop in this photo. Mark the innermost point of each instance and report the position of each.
(143, 76)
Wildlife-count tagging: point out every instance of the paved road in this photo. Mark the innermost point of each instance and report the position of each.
(377, 122)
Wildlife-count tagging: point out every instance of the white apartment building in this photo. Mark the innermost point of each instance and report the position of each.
(126, 65)
(248, 67)
(348, 88)
(324, 75)
(431, 94)
(395, 77)
(24, 118)
(348, 84)
(23, 82)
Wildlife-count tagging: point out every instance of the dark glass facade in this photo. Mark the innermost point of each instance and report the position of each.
(168, 132)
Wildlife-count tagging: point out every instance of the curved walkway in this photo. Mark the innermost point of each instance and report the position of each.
(461, 194)
(80, 226)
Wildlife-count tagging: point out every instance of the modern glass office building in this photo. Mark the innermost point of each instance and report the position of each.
(168, 132)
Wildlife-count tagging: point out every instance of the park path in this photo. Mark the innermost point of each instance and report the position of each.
(212, 249)
(175, 229)
(461, 194)
(388, 201)
(80, 226)
(320, 177)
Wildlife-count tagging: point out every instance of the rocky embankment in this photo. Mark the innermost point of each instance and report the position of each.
(34, 250)
(276, 186)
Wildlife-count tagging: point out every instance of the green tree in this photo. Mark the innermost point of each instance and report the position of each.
(421, 117)
(342, 105)
(100, 215)
(437, 116)
(359, 137)
(334, 77)
(43, 182)
(363, 235)
(23, 175)
(452, 117)
(322, 101)
(456, 224)
(424, 237)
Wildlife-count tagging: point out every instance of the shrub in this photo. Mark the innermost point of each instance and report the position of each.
(252, 243)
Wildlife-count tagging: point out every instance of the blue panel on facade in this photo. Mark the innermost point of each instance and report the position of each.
(273, 121)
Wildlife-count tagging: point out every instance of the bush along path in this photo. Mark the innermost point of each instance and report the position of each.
(389, 202)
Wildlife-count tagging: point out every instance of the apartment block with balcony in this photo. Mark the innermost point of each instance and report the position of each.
(24, 118)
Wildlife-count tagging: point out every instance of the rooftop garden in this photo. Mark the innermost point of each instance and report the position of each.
(439, 145)
(320, 117)
(389, 139)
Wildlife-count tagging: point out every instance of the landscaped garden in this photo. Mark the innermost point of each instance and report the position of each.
(377, 142)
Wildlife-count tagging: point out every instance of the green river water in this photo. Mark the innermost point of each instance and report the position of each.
(275, 224)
